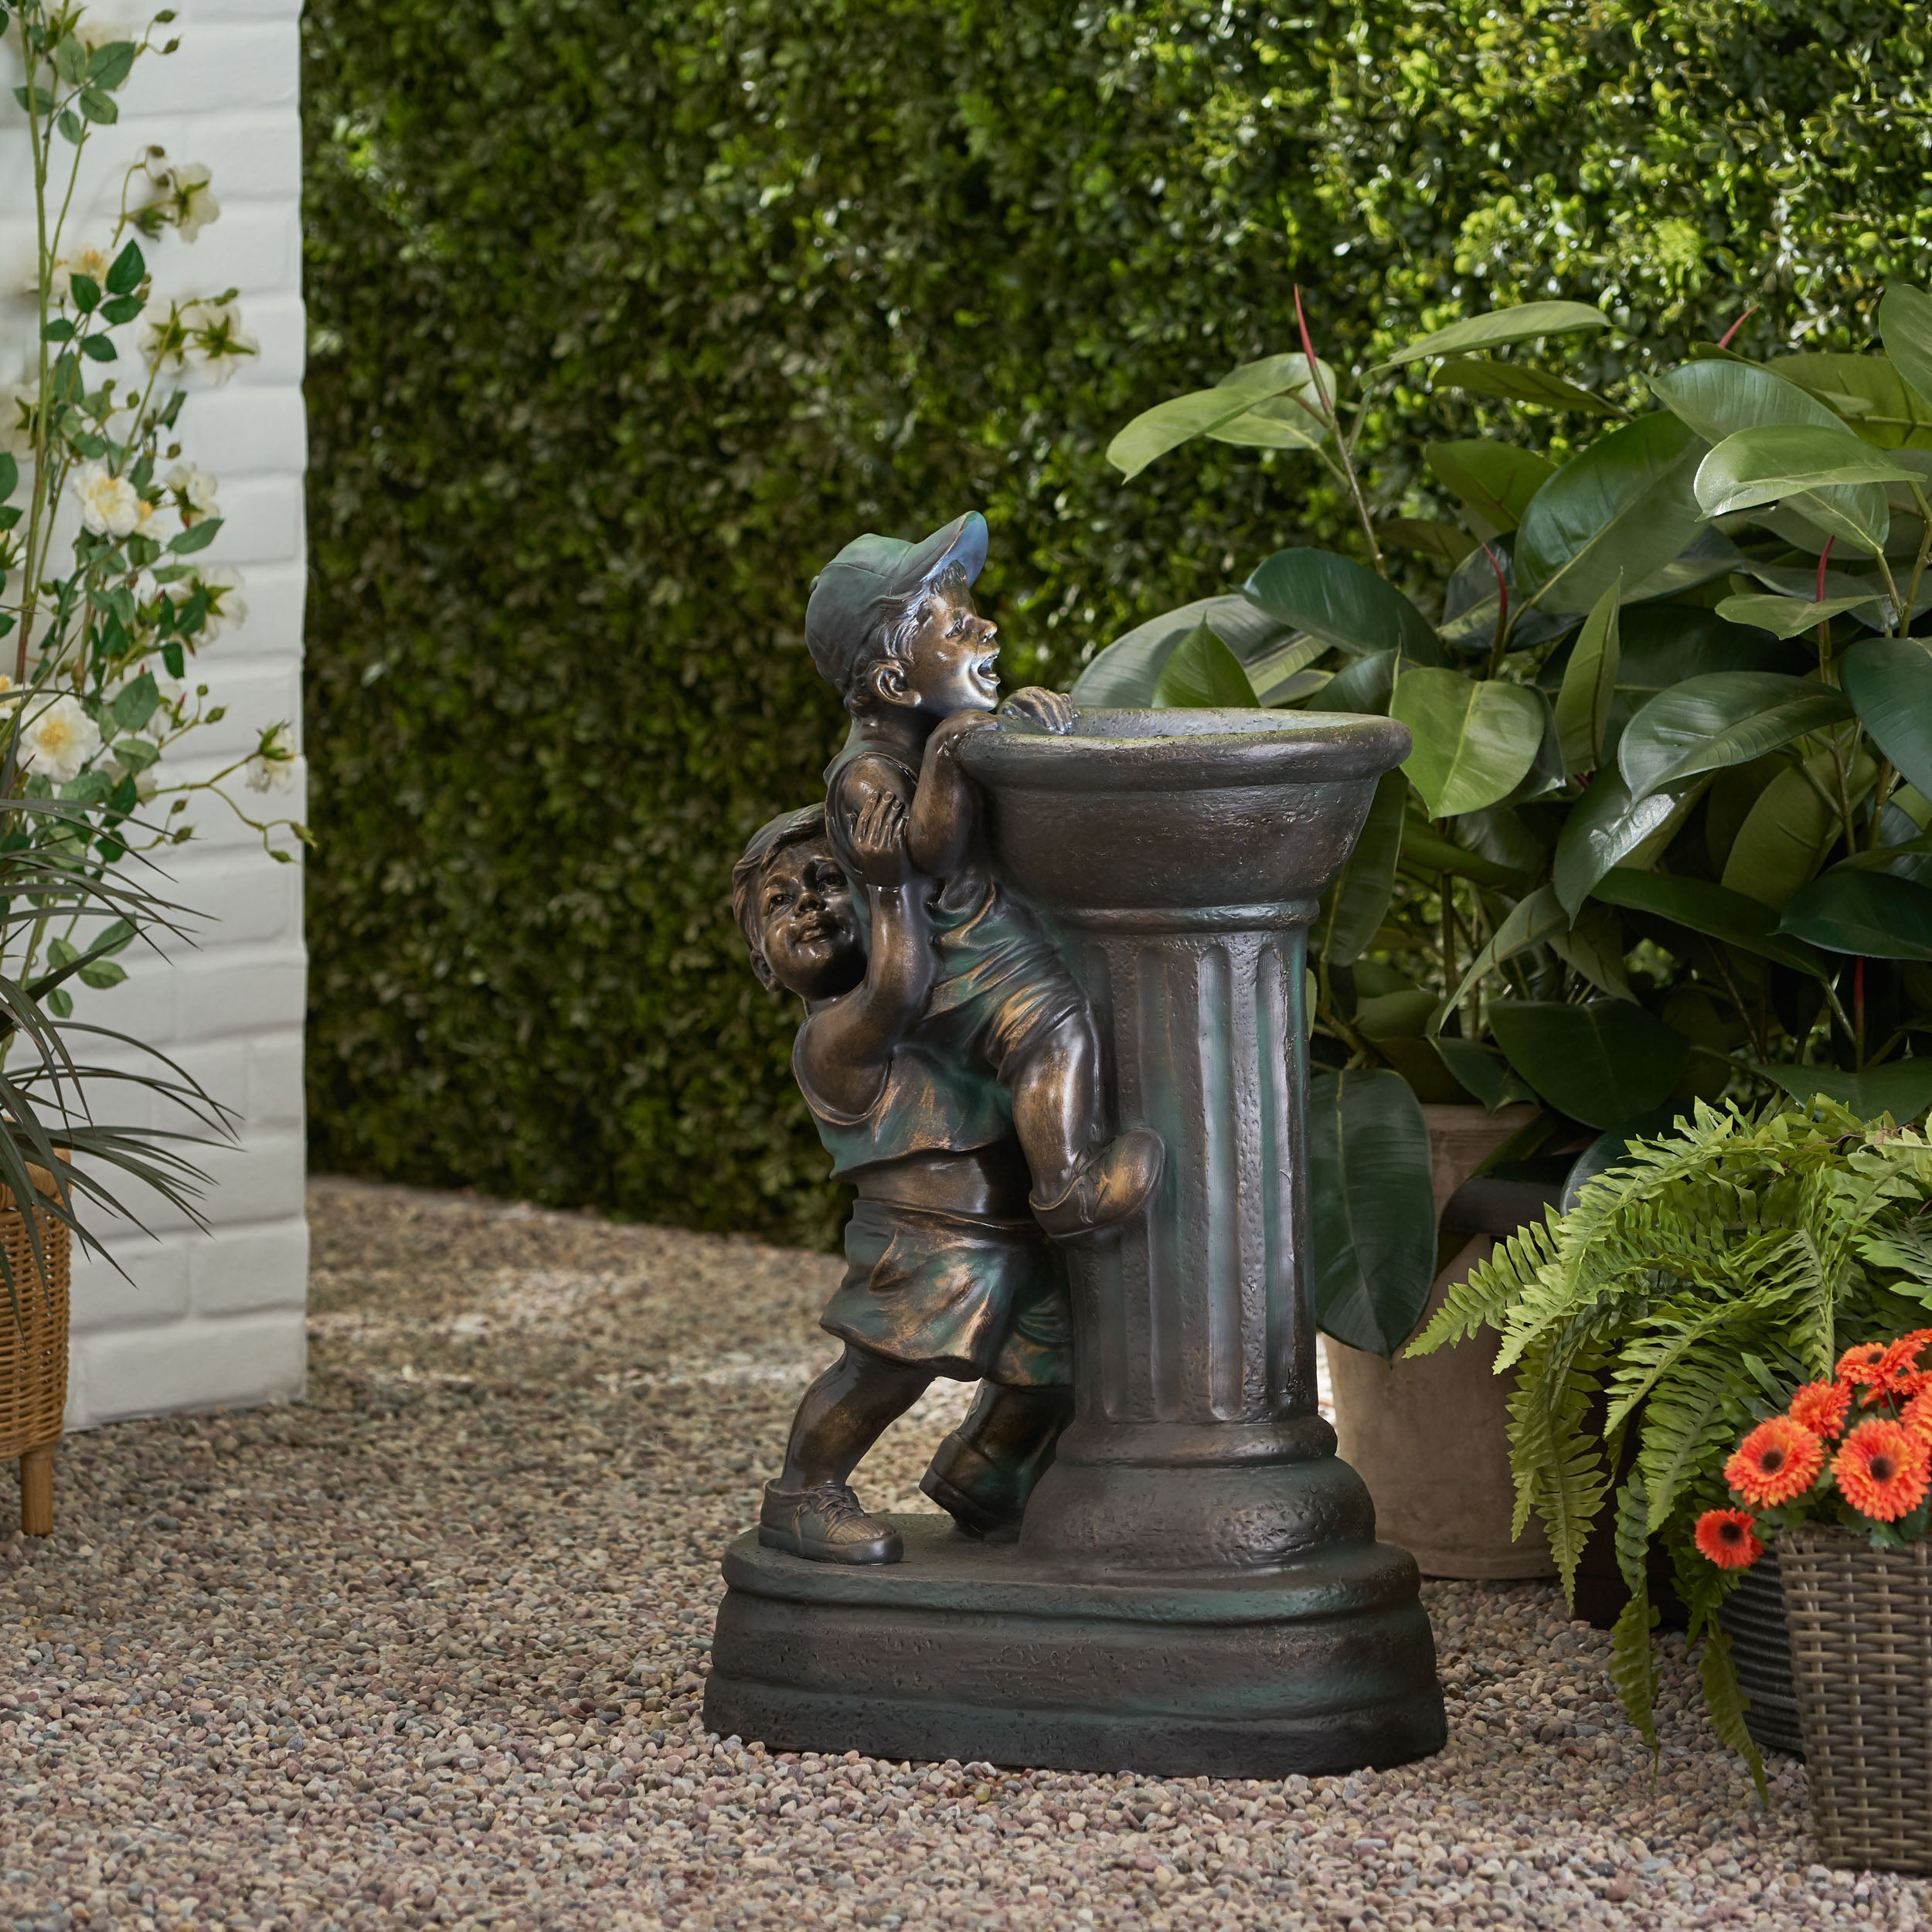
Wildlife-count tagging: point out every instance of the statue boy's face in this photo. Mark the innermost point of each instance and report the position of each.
(953, 664)
(806, 930)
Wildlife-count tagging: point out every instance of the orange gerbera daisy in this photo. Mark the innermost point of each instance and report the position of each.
(1918, 1413)
(1886, 1372)
(1725, 1537)
(1820, 1406)
(1881, 1470)
(1856, 1365)
(1778, 1460)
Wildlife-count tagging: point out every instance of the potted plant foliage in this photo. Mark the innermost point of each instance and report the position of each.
(1841, 1482)
(105, 596)
(1693, 1285)
(1663, 835)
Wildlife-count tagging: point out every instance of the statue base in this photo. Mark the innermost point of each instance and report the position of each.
(971, 1651)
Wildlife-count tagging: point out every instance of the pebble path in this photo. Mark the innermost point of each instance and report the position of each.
(427, 1649)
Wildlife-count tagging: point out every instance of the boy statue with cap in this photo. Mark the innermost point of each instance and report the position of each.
(947, 1274)
(892, 626)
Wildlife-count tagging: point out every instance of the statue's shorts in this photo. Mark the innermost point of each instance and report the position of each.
(971, 1299)
(1002, 990)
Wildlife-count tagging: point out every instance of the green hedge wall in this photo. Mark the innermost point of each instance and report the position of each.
(627, 313)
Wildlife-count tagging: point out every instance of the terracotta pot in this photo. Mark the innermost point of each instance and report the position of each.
(1429, 1438)
(33, 1355)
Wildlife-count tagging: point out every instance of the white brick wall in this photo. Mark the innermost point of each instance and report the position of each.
(212, 1318)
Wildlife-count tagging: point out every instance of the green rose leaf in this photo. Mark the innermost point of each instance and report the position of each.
(1888, 680)
(9, 476)
(1353, 907)
(98, 105)
(1624, 506)
(1202, 671)
(110, 65)
(197, 538)
(1589, 687)
(102, 973)
(1496, 480)
(1872, 913)
(1525, 323)
(1725, 718)
(1715, 911)
(1373, 1216)
(1342, 603)
(1602, 1063)
(98, 348)
(1473, 743)
(1905, 321)
(125, 272)
(135, 703)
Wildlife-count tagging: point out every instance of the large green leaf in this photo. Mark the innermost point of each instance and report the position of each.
(1590, 685)
(1447, 543)
(1718, 398)
(1602, 1063)
(1362, 686)
(1905, 321)
(1869, 392)
(1497, 480)
(1519, 382)
(1603, 827)
(1888, 680)
(1125, 671)
(1625, 505)
(1503, 326)
(1872, 913)
(1789, 617)
(1473, 742)
(1786, 832)
(1203, 672)
(1371, 1212)
(1902, 1089)
(1532, 921)
(1713, 911)
(1723, 718)
(1426, 853)
(1281, 675)
(1353, 908)
(1181, 418)
(1275, 422)
(1343, 603)
(1826, 474)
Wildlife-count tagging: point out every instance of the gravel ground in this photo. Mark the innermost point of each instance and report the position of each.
(427, 1649)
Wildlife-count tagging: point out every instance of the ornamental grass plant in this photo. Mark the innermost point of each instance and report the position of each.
(1695, 1284)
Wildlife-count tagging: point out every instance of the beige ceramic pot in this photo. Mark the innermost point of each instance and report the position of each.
(1429, 1438)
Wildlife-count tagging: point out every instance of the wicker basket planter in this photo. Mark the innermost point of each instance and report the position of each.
(33, 1358)
(1861, 1625)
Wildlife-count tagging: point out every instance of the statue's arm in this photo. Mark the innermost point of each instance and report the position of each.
(845, 1049)
(940, 830)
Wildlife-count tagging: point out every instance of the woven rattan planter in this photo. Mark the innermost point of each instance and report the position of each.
(33, 1358)
(1861, 1625)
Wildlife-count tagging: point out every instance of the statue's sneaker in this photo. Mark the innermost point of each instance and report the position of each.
(825, 1524)
(1112, 1186)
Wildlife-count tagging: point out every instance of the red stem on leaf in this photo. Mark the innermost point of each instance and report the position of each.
(1308, 350)
(1724, 341)
(1824, 558)
(1502, 587)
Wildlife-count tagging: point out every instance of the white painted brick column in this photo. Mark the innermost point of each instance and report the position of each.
(213, 1318)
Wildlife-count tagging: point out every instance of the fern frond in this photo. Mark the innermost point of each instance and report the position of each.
(1560, 1469)
(1668, 1334)
(1724, 1698)
(1686, 1425)
(1481, 1299)
(1633, 1667)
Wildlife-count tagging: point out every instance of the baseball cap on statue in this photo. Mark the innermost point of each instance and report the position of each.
(868, 583)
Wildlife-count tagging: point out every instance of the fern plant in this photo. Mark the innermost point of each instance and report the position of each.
(1688, 1289)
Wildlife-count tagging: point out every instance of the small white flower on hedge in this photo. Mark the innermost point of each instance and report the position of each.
(109, 506)
(273, 767)
(58, 739)
(195, 488)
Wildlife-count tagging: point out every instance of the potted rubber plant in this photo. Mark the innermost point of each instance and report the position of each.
(1662, 836)
(1691, 1287)
(107, 595)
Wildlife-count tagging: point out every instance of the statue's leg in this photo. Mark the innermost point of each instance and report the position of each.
(983, 1473)
(809, 1510)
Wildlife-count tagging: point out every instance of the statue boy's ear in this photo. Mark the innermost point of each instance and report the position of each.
(886, 681)
(766, 978)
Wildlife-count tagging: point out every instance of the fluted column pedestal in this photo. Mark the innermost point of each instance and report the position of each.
(1197, 1588)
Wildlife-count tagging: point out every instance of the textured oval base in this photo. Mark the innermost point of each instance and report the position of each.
(965, 1651)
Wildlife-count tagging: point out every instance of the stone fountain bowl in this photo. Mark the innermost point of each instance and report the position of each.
(1179, 808)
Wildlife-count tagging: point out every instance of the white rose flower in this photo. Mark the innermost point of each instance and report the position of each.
(164, 341)
(147, 522)
(109, 506)
(197, 489)
(195, 205)
(218, 337)
(58, 739)
(226, 607)
(93, 262)
(273, 767)
(96, 34)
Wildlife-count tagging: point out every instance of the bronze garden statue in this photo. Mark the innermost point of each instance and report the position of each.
(1055, 1037)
